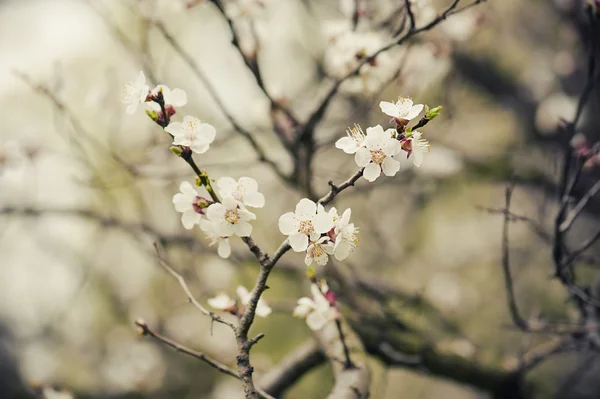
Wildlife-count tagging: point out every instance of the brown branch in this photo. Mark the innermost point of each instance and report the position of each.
(146, 331)
(291, 368)
(252, 65)
(187, 291)
(189, 60)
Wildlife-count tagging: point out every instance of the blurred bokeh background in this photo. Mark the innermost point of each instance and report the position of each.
(85, 189)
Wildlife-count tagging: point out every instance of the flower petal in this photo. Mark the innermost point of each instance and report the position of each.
(216, 212)
(227, 185)
(288, 224)
(390, 166)
(207, 132)
(243, 294)
(362, 157)
(316, 321)
(249, 184)
(306, 207)
(178, 98)
(174, 128)
(182, 203)
(224, 249)
(322, 222)
(414, 111)
(255, 200)
(298, 242)
(189, 219)
(389, 109)
(242, 229)
(347, 144)
(371, 172)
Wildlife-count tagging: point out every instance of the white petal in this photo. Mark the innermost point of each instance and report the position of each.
(389, 109)
(414, 112)
(227, 185)
(174, 128)
(262, 309)
(229, 202)
(255, 200)
(288, 224)
(390, 166)
(249, 184)
(316, 321)
(306, 207)
(322, 259)
(182, 203)
(224, 229)
(199, 148)
(131, 108)
(371, 172)
(221, 302)
(322, 222)
(298, 242)
(207, 226)
(347, 144)
(208, 132)
(187, 189)
(216, 212)
(362, 157)
(140, 80)
(242, 229)
(178, 98)
(189, 219)
(243, 293)
(342, 250)
(304, 307)
(417, 156)
(224, 249)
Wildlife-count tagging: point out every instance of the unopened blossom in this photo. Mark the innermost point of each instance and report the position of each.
(192, 133)
(223, 245)
(306, 223)
(418, 147)
(222, 302)
(135, 93)
(345, 236)
(229, 219)
(191, 205)
(378, 152)
(319, 251)
(245, 190)
(353, 141)
(317, 310)
(171, 98)
(403, 109)
(262, 309)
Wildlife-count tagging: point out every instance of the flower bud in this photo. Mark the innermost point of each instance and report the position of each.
(433, 113)
(177, 150)
(152, 114)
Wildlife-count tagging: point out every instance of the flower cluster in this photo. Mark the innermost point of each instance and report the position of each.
(220, 220)
(190, 135)
(310, 228)
(377, 150)
(227, 304)
(319, 309)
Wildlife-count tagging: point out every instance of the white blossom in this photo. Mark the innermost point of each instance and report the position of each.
(223, 245)
(317, 310)
(345, 236)
(307, 222)
(419, 146)
(174, 98)
(377, 153)
(262, 309)
(229, 219)
(245, 190)
(190, 204)
(192, 133)
(319, 251)
(135, 93)
(353, 140)
(221, 302)
(403, 109)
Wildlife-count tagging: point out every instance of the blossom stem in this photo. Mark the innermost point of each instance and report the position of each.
(347, 361)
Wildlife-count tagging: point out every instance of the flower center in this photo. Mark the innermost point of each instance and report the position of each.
(378, 156)
(232, 216)
(190, 126)
(316, 250)
(306, 227)
(404, 105)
